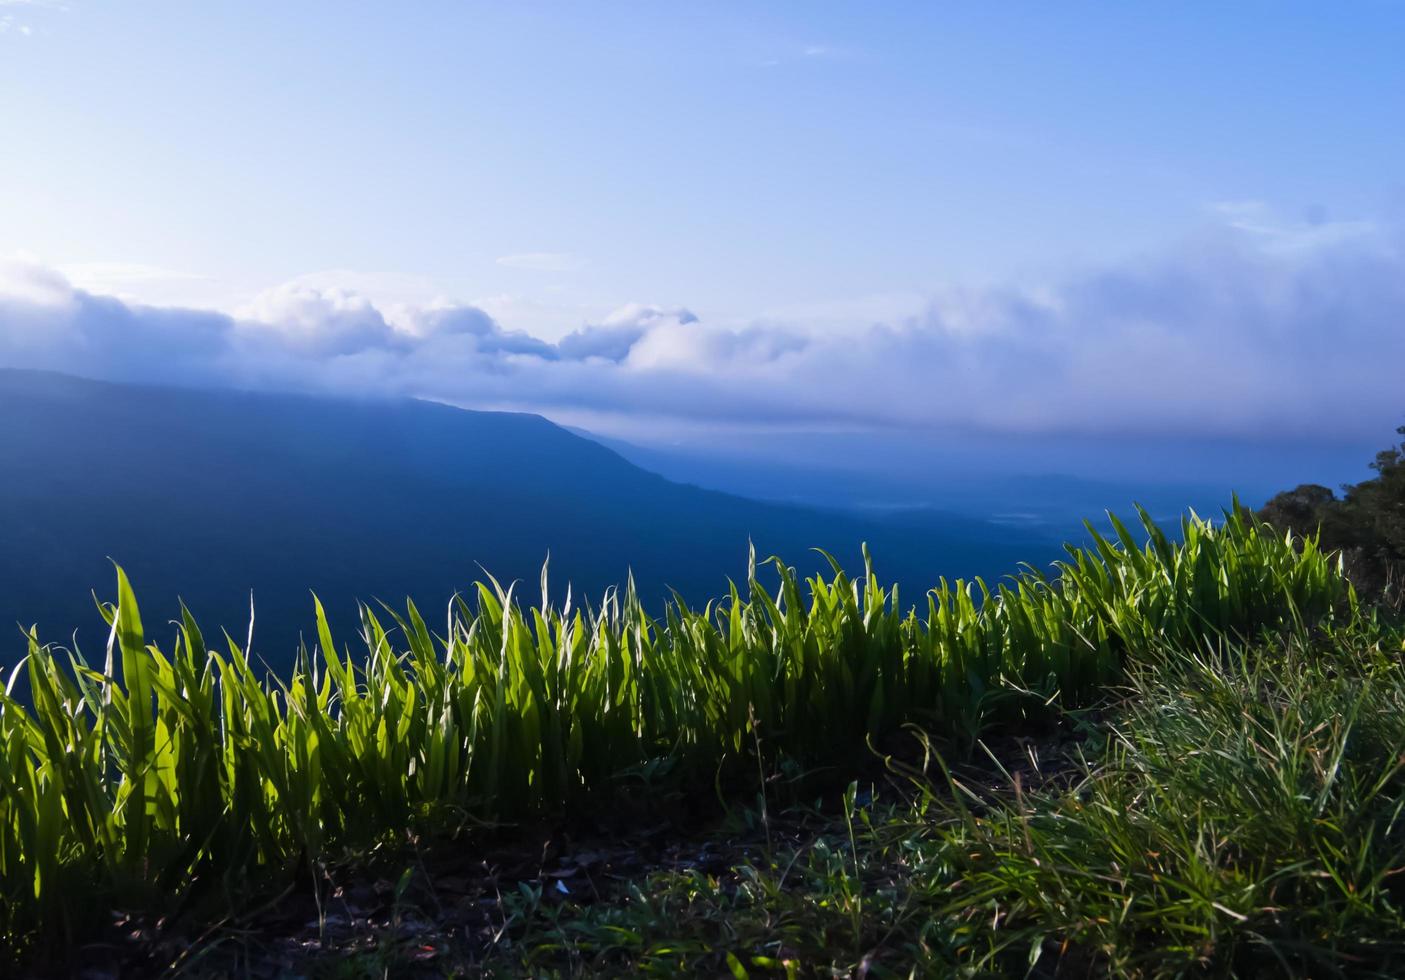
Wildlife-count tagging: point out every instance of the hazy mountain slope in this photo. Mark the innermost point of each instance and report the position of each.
(211, 494)
(1052, 485)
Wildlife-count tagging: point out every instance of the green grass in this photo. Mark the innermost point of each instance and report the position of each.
(170, 780)
(1238, 814)
(1245, 814)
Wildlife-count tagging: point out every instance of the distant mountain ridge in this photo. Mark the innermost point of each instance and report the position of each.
(209, 494)
(1054, 503)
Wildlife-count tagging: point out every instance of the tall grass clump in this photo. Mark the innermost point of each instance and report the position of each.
(184, 772)
(1236, 810)
(1246, 817)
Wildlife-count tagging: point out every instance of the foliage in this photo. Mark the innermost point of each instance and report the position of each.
(1241, 816)
(1367, 524)
(168, 779)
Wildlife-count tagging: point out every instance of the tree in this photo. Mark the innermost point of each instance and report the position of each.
(1367, 524)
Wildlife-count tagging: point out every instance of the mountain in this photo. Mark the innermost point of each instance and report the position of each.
(209, 494)
(886, 476)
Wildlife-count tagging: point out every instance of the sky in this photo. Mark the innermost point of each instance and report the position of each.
(690, 220)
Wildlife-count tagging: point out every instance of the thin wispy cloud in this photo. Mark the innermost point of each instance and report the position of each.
(773, 53)
(542, 261)
(16, 25)
(1315, 229)
(100, 276)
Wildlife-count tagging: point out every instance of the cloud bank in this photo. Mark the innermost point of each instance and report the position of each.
(1254, 329)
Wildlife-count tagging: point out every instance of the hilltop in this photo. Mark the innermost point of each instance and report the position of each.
(213, 494)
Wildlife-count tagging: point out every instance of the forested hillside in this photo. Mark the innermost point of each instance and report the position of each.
(208, 495)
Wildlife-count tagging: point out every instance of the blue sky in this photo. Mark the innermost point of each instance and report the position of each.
(724, 189)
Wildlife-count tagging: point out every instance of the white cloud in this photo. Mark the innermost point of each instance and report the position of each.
(617, 336)
(385, 289)
(24, 279)
(1230, 334)
(673, 344)
(318, 321)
